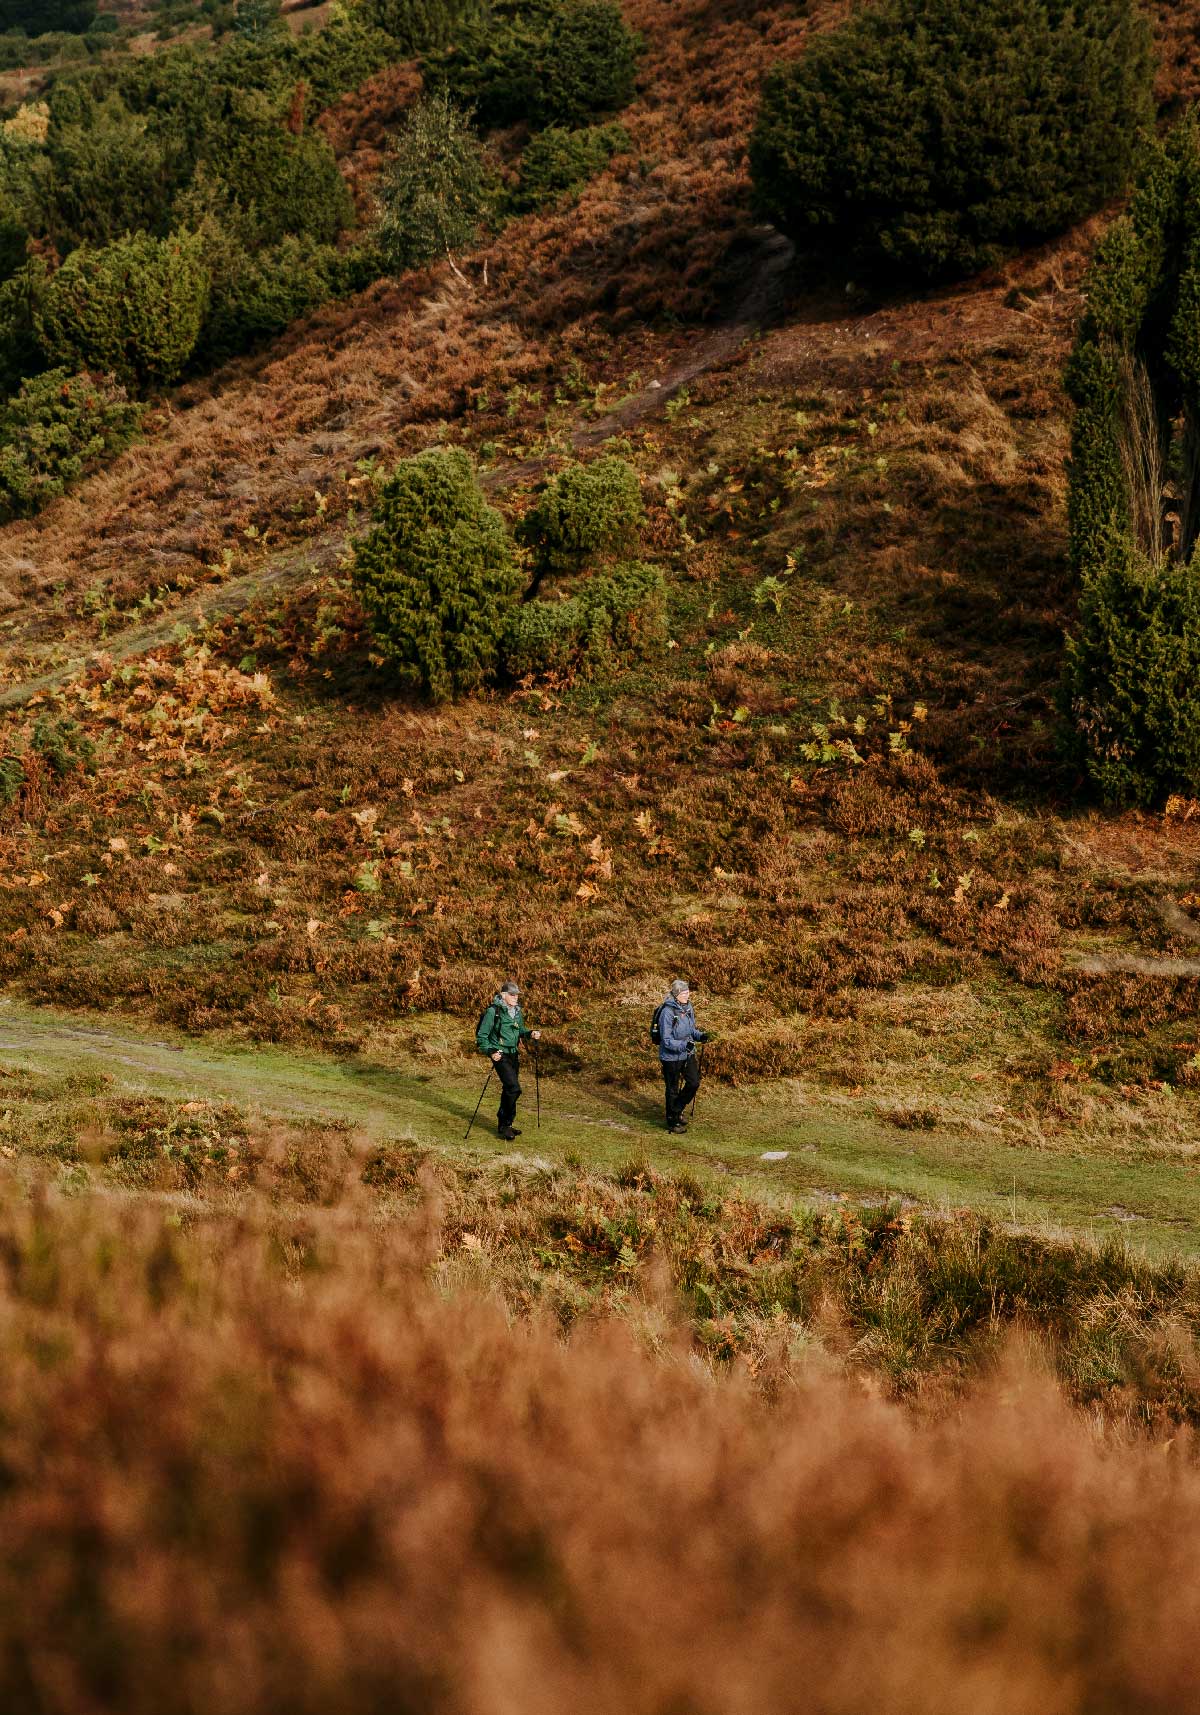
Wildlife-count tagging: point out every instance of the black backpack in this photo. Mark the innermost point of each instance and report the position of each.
(656, 1025)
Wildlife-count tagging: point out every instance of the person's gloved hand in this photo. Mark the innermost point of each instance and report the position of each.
(702, 1036)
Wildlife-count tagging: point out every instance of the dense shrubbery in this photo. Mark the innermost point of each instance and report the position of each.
(134, 309)
(55, 47)
(617, 616)
(1132, 682)
(559, 161)
(585, 511)
(57, 428)
(1134, 374)
(420, 26)
(926, 138)
(36, 17)
(102, 173)
(290, 182)
(185, 142)
(588, 64)
(440, 584)
(257, 294)
(543, 61)
(437, 576)
(433, 191)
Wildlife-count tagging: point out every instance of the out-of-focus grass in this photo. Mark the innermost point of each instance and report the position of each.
(304, 1456)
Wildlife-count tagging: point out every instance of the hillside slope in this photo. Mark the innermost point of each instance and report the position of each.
(844, 819)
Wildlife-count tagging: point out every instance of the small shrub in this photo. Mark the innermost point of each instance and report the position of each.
(289, 181)
(255, 19)
(133, 309)
(433, 191)
(543, 62)
(58, 428)
(589, 64)
(1131, 685)
(557, 162)
(585, 511)
(257, 295)
(616, 618)
(927, 138)
(63, 746)
(544, 637)
(436, 575)
(12, 780)
(420, 26)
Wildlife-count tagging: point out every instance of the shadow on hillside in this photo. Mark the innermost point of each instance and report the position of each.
(986, 629)
(968, 591)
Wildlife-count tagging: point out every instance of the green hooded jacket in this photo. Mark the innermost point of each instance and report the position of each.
(501, 1029)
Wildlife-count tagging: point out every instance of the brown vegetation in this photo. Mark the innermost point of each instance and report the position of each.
(253, 1461)
(860, 516)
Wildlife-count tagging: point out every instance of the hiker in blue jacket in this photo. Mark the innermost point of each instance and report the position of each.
(677, 1040)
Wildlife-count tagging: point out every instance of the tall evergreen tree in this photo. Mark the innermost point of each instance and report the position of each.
(257, 18)
(1131, 689)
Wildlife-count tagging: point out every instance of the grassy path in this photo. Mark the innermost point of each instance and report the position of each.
(832, 1151)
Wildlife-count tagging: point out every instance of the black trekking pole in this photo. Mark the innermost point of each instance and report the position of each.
(479, 1103)
(537, 1080)
(699, 1075)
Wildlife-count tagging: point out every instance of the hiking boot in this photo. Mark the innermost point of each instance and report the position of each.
(508, 1132)
(680, 1125)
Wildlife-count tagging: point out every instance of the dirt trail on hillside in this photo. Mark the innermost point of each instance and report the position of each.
(292, 566)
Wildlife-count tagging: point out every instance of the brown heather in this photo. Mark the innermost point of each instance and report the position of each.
(251, 1459)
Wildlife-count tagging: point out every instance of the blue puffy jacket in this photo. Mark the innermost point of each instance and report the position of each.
(677, 1030)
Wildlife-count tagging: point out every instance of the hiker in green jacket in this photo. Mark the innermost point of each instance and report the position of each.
(501, 1031)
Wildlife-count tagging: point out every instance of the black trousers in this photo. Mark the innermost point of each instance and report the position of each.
(682, 1078)
(507, 1066)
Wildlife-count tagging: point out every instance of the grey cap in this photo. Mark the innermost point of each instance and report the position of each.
(509, 988)
(678, 986)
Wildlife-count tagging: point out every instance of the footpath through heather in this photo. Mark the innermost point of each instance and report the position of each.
(776, 1141)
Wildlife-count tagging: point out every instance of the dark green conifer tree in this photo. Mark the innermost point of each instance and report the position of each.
(437, 576)
(1131, 687)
